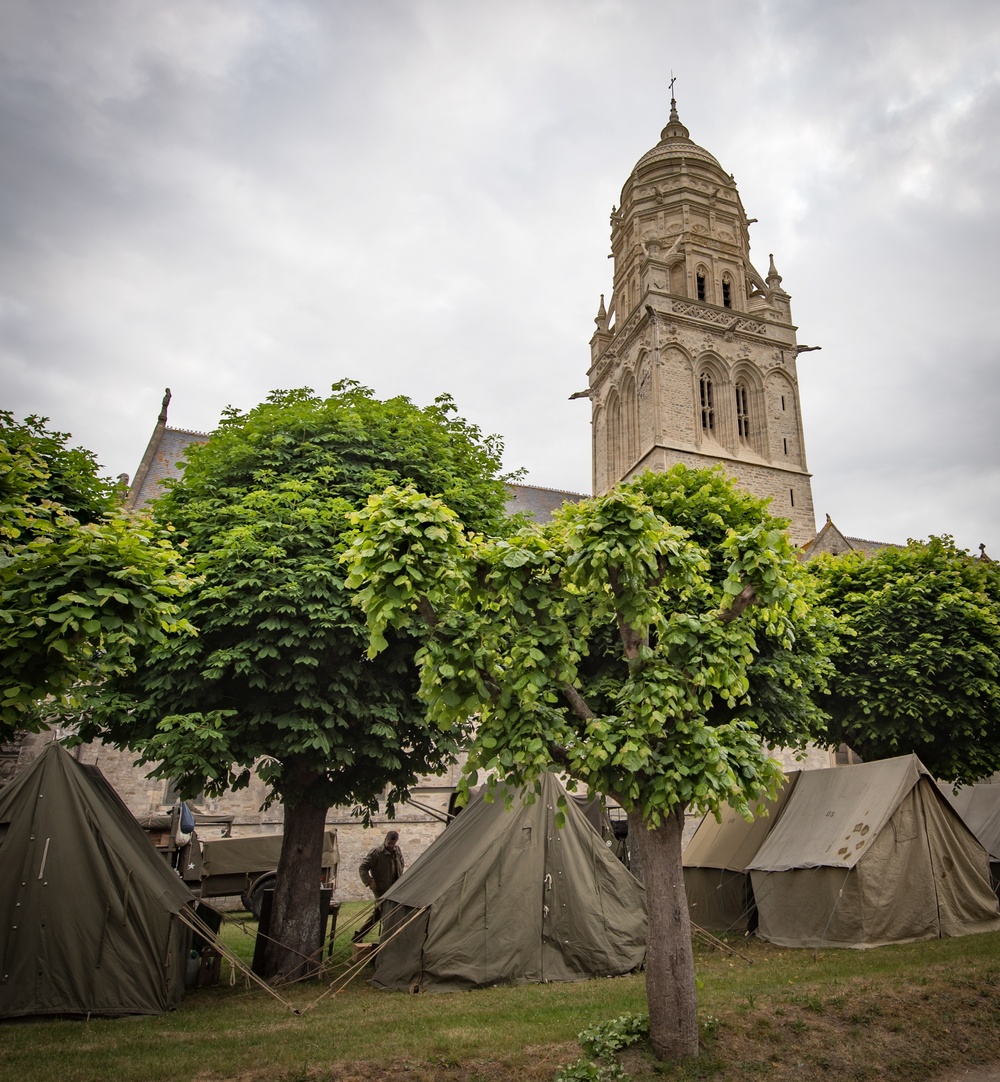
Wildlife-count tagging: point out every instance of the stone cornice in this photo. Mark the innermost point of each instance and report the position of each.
(726, 319)
(724, 454)
(726, 322)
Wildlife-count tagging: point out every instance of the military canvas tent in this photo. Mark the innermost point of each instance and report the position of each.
(88, 909)
(717, 884)
(508, 897)
(870, 854)
(979, 807)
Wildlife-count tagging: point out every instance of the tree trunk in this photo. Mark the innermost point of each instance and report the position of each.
(670, 987)
(295, 949)
(635, 857)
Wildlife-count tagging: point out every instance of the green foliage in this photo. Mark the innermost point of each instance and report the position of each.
(586, 1070)
(604, 1039)
(279, 672)
(919, 662)
(632, 641)
(81, 588)
(601, 1042)
(41, 480)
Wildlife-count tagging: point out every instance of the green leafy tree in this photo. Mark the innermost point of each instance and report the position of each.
(81, 586)
(278, 676)
(41, 479)
(633, 642)
(919, 662)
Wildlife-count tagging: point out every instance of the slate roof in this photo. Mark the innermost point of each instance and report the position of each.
(539, 503)
(162, 460)
(831, 540)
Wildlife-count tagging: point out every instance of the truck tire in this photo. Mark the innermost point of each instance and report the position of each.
(253, 897)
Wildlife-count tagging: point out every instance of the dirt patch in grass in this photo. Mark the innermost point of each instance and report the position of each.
(530, 1065)
(865, 1030)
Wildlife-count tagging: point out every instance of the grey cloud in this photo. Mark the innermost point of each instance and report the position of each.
(229, 197)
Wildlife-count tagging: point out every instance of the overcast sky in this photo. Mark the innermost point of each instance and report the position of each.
(231, 196)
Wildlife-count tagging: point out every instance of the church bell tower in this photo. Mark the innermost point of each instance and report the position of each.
(694, 359)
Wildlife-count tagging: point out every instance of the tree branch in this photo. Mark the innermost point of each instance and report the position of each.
(427, 613)
(559, 755)
(743, 600)
(578, 703)
(632, 639)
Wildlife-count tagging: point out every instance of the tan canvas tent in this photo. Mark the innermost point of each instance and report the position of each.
(88, 909)
(870, 854)
(506, 897)
(716, 880)
(979, 807)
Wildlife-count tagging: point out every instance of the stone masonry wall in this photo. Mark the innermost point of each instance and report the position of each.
(763, 481)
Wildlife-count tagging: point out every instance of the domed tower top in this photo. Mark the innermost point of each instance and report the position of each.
(680, 229)
(678, 199)
(676, 143)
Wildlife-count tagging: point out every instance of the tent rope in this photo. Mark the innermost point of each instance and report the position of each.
(356, 967)
(710, 940)
(196, 924)
(745, 913)
(245, 927)
(291, 950)
(353, 922)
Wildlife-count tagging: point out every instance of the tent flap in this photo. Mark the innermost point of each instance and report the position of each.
(717, 885)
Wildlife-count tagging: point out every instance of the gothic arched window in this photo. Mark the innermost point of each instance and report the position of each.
(701, 280)
(629, 447)
(707, 403)
(727, 291)
(743, 412)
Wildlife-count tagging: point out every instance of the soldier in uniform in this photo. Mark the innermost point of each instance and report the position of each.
(379, 870)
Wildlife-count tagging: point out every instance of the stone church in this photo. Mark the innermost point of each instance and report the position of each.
(694, 360)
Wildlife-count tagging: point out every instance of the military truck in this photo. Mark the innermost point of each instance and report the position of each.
(223, 866)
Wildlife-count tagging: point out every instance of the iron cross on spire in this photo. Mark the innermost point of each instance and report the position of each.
(673, 79)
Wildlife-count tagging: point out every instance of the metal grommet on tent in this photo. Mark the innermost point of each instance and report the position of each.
(415, 988)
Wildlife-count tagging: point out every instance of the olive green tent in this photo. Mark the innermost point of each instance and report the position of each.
(507, 897)
(870, 854)
(717, 884)
(89, 911)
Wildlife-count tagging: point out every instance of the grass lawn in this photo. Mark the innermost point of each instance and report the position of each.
(903, 1013)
